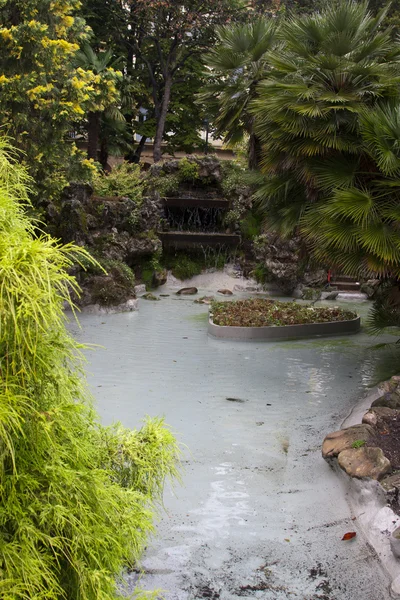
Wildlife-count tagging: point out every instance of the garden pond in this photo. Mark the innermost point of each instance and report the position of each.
(259, 513)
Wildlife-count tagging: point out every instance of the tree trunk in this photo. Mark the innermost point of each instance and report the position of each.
(162, 119)
(133, 156)
(139, 149)
(104, 153)
(254, 151)
(93, 134)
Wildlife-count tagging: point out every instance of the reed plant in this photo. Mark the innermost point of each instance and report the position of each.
(77, 500)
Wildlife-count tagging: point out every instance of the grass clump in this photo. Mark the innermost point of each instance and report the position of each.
(77, 499)
(184, 267)
(261, 273)
(260, 312)
(358, 444)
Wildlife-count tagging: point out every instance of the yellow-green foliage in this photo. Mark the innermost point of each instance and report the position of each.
(43, 93)
(76, 499)
(123, 180)
(188, 170)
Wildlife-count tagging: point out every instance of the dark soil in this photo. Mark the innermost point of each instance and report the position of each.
(388, 439)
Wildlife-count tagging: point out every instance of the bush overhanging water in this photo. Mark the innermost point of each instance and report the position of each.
(76, 498)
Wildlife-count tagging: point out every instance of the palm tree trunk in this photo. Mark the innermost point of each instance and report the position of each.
(104, 153)
(254, 151)
(93, 134)
(162, 119)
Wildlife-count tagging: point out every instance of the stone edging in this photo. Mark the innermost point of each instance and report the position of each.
(284, 332)
(369, 494)
(96, 309)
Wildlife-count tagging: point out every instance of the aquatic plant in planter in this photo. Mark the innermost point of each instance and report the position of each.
(265, 319)
(261, 312)
(77, 499)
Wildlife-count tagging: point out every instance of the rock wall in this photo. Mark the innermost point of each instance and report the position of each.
(122, 234)
(116, 231)
(285, 263)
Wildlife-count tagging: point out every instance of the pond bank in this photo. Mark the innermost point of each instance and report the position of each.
(260, 514)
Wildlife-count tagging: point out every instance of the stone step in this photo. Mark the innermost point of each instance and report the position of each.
(348, 286)
(195, 202)
(185, 239)
(344, 278)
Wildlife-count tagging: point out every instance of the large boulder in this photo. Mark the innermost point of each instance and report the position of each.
(205, 300)
(87, 220)
(208, 168)
(188, 291)
(370, 287)
(376, 414)
(329, 295)
(118, 231)
(125, 247)
(284, 263)
(364, 462)
(129, 305)
(390, 400)
(391, 483)
(110, 289)
(140, 289)
(150, 213)
(73, 215)
(334, 443)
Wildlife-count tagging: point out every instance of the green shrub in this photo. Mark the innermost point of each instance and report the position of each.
(113, 286)
(261, 273)
(163, 184)
(147, 276)
(188, 170)
(311, 294)
(123, 180)
(185, 267)
(235, 177)
(77, 499)
(251, 225)
(98, 265)
(149, 268)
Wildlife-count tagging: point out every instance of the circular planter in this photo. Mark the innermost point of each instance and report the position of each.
(284, 332)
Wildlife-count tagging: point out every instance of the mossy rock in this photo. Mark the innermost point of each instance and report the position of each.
(106, 291)
(311, 293)
(109, 288)
(150, 296)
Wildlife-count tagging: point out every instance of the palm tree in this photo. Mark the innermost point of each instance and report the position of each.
(327, 70)
(357, 226)
(237, 64)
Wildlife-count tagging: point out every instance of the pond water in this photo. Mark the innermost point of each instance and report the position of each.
(259, 513)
